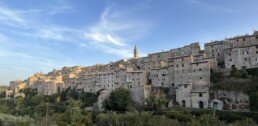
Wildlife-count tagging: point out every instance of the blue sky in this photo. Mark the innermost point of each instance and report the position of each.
(42, 35)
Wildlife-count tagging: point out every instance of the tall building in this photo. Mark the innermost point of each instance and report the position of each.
(136, 55)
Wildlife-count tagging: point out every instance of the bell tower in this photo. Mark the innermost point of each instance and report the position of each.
(136, 55)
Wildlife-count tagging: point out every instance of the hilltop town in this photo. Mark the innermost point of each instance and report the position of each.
(185, 72)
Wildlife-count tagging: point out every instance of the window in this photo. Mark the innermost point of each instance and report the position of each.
(245, 52)
(218, 54)
(256, 46)
(200, 94)
(200, 78)
(229, 54)
(200, 69)
(197, 64)
(256, 37)
(183, 59)
(212, 50)
(176, 66)
(243, 39)
(230, 59)
(185, 86)
(245, 59)
(183, 65)
(256, 52)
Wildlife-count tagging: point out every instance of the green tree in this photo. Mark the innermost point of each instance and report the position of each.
(19, 105)
(119, 99)
(88, 99)
(3, 106)
(29, 92)
(155, 103)
(216, 77)
(63, 96)
(73, 111)
(244, 73)
(253, 101)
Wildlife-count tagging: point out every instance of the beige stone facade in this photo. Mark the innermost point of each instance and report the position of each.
(246, 56)
(241, 51)
(186, 70)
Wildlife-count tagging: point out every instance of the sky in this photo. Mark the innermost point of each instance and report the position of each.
(42, 35)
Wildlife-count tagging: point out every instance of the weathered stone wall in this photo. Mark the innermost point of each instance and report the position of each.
(200, 99)
(233, 100)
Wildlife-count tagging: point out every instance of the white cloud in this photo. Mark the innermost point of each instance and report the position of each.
(112, 33)
(11, 17)
(49, 34)
(104, 38)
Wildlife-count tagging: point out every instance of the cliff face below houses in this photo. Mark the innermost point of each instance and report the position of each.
(234, 92)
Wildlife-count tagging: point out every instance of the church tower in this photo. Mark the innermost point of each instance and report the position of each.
(136, 52)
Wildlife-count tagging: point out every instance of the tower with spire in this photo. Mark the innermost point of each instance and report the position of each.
(136, 55)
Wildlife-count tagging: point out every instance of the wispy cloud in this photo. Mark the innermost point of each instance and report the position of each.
(23, 20)
(104, 38)
(11, 17)
(111, 33)
(63, 7)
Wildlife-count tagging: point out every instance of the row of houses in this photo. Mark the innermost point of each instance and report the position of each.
(185, 71)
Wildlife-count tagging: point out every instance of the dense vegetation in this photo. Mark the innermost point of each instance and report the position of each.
(68, 108)
(64, 108)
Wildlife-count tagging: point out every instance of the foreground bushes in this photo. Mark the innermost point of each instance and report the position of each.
(168, 119)
(9, 120)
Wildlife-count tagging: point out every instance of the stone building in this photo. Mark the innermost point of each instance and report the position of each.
(245, 56)
(185, 70)
(192, 80)
(17, 86)
(239, 51)
(216, 104)
(136, 53)
(159, 77)
(215, 49)
(192, 49)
